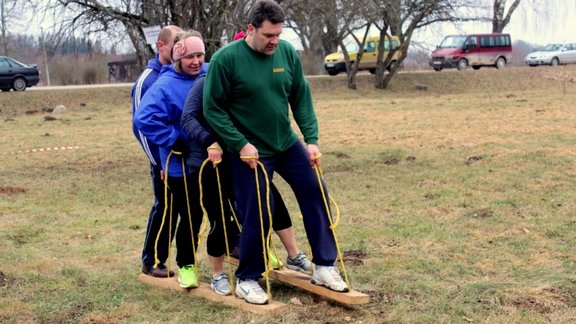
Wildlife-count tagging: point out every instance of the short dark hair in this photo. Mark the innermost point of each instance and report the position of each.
(266, 10)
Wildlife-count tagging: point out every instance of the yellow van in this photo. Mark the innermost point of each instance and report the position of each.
(335, 63)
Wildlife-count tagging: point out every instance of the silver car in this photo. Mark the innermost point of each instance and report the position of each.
(553, 54)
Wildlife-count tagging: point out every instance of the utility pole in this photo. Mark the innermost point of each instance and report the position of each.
(45, 58)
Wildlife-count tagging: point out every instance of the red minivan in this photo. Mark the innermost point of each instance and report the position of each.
(474, 50)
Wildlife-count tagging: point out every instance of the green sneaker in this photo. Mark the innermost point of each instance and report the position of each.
(274, 261)
(187, 277)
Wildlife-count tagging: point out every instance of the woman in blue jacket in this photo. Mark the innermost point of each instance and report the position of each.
(158, 118)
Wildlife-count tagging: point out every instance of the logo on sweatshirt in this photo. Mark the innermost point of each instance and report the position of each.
(278, 70)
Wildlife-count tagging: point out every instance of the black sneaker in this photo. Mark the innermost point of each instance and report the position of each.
(159, 272)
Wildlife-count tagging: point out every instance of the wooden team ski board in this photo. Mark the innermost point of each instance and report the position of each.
(205, 291)
(302, 281)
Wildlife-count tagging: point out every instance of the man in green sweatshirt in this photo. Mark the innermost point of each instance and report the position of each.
(250, 87)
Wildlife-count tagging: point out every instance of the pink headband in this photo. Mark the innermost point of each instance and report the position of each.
(187, 46)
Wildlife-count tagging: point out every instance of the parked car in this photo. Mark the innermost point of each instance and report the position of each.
(17, 76)
(553, 54)
(335, 63)
(475, 50)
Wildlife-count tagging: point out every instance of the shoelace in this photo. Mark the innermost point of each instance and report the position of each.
(335, 273)
(255, 286)
(299, 259)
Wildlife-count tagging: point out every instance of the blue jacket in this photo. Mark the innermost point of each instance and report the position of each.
(199, 132)
(144, 81)
(159, 112)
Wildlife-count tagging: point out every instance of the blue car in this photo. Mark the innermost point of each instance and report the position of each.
(17, 76)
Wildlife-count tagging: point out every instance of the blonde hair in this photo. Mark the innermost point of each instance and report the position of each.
(179, 36)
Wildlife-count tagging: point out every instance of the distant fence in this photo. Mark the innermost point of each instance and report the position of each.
(123, 71)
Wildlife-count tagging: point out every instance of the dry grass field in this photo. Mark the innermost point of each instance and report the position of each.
(456, 191)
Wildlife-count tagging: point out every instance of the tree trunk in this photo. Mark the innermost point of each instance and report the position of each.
(498, 16)
(143, 50)
(500, 20)
(382, 63)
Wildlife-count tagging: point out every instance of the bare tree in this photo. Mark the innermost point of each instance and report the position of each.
(402, 17)
(316, 26)
(501, 18)
(5, 8)
(322, 25)
(352, 68)
(334, 21)
(125, 19)
(10, 17)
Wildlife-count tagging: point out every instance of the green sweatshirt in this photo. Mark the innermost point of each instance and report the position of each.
(247, 96)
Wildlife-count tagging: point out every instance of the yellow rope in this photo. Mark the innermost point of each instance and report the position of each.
(265, 240)
(234, 217)
(232, 284)
(214, 147)
(183, 163)
(156, 260)
(333, 225)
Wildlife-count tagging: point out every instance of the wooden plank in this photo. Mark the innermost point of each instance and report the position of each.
(302, 281)
(205, 291)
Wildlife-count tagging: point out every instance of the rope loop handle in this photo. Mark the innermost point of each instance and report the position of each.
(333, 224)
(166, 203)
(265, 239)
(222, 213)
(194, 250)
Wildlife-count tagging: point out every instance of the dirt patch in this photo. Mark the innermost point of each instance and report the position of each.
(102, 319)
(78, 311)
(379, 297)
(3, 280)
(533, 304)
(354, 257)
(431, 196)
(564, 296)
(391, 160)
(7, 191)
(340, 155)
(474, 158)
(482, 213)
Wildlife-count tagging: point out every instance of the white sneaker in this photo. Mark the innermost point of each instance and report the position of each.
(329, 277)
(250, 291)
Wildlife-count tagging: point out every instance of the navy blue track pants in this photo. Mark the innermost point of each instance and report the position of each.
(293, 166)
